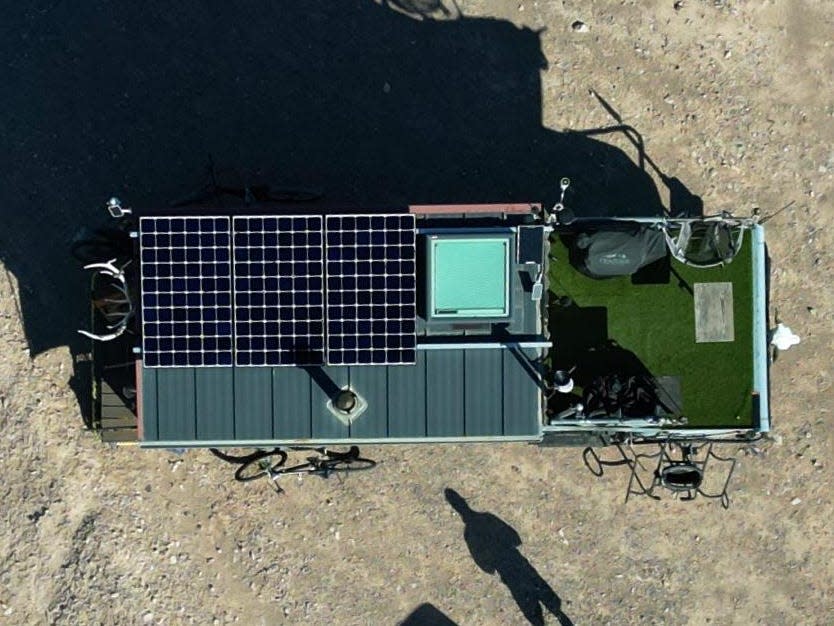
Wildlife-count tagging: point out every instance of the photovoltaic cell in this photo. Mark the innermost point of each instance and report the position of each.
(186, 291)
(278, 285)
(371, 304)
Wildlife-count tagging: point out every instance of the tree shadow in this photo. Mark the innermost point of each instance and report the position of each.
(354, 98)
(494, 545)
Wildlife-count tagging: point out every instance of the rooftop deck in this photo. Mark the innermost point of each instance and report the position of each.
(646, 324)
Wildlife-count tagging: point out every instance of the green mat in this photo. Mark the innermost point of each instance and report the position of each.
(654, 324)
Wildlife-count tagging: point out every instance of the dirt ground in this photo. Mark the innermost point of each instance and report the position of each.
(734, 99)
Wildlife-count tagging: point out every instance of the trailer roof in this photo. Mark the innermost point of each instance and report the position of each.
(476, 377)
(478, 393)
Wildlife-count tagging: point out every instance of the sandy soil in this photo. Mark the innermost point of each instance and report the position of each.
(734, 99)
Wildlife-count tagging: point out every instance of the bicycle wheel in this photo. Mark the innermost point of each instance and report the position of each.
(347, 465)
(261, 465)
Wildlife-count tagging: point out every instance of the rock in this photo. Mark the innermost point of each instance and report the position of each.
(580, 27)
(796, 501)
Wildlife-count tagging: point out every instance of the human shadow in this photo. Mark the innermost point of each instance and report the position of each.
(494, 546)
(356, 99)
(427, 615)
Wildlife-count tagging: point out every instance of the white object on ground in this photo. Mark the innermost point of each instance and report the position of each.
(783, 337)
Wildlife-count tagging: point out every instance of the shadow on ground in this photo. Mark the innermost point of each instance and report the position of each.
(427, 615)
(363, 102)
(494, 546)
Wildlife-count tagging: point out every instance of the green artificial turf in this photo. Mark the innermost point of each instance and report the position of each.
(656, 322)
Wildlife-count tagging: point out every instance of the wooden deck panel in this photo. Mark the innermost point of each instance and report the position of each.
(453, 209)
(119, 435)
(126, 421)
(117, 422)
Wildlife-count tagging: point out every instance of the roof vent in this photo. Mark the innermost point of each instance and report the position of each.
(347, 405)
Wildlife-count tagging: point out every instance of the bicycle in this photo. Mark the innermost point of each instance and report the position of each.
(328, 462)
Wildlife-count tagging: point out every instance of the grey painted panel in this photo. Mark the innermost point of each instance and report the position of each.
(253, 402)
(520, 395)
(326, 381)
(150, 415)
(448, 393)
(484, 392)
(177, 409)
(215, 402)
(372, 384)
(444, 393)
(407, 399)
(291, 415)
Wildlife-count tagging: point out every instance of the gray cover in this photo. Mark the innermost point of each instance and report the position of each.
(618, 252)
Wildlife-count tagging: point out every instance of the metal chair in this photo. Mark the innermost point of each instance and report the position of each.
(707, 241)
(682, 473)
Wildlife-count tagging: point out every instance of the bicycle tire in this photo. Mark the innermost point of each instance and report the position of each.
(260, 465)
(347, 465)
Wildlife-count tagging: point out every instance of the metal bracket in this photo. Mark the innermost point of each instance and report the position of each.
(115, 208)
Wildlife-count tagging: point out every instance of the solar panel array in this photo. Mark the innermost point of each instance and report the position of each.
(186, 291)
(276, 270)
(371, 305)
(279, 301)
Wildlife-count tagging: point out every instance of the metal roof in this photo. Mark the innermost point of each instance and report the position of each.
(478, 393)
(474, 379)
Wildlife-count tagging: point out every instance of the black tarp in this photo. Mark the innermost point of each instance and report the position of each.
(620, 252)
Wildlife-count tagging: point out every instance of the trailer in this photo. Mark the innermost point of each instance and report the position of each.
(276, 326)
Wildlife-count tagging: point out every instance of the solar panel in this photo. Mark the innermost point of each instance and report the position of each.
(279, 301)
(371, 289)
(186, 291)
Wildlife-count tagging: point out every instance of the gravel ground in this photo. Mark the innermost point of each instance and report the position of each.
(732, 98)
